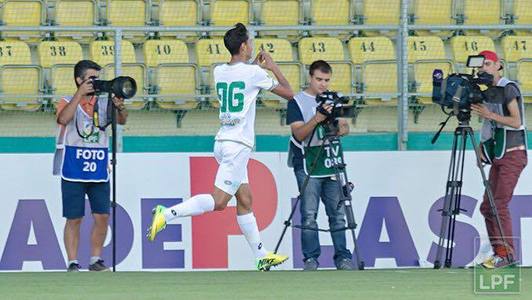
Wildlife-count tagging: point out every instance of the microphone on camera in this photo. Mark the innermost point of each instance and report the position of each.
(437, 79)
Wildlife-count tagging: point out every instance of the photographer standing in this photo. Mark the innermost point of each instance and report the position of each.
(308, 132)
(503, 141)
(81, 158)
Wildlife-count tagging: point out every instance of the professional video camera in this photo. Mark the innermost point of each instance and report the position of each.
(459, 89)
(340, 108)
(123, 86)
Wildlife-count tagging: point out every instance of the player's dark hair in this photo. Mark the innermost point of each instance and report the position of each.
(321, 65)
(234, 37)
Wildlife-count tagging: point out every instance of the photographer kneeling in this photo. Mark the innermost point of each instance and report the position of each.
(503, 141)
(307, 136)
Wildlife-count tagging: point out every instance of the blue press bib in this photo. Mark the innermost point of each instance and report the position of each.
(85, 164)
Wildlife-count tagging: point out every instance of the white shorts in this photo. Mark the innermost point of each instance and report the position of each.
(232, 158)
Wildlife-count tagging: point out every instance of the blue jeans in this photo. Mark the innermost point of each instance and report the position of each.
(327, 189)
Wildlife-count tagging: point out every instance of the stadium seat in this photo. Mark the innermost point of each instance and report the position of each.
(376, 58)
(279, 49)
(524, 77)
(381, 12)
(62, 80)
(427, 53)
(102, 52)
(23, 13)
(463, 46)
(75, 13)
(16, 68)
(229, 12)
(211, 51)
(425, 47)
(136, 71)
(474, 14)
(326, 48)
(59, 52)
(523, 15)
(280, 13)
(176, 94)
(292, 71)
(362, 49)
(179, 13)
(430, 12)
(128, 13)
(330, 12)
(342, 79)
(516, 47)
(165, 51)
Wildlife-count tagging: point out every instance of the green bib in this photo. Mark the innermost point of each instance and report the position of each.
(496, 146)
(320, 162)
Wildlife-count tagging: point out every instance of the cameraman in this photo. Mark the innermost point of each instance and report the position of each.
(81, 158)
(503, 140)
(307, 132)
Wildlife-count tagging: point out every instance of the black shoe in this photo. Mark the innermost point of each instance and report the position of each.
(98, 266)
(73, 267)
(344, 264)
(310, 264)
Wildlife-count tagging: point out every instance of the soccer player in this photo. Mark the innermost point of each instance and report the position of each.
(237, 86)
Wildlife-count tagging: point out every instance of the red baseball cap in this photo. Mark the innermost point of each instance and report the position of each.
(490, 55)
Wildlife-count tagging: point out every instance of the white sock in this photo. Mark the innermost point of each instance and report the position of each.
(94, 259)
(194, 206)
(74, 261)
(248, 226)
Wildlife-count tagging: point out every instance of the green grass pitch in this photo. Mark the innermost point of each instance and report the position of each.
(369, 284)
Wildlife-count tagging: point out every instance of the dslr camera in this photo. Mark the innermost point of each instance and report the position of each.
(123, 86)
(459, 91)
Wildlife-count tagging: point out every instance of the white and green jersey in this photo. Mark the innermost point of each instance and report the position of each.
(237, 87)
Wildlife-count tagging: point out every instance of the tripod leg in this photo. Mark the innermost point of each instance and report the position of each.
(447, 203)
(491, 199)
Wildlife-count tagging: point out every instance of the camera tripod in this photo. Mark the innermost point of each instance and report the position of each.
(453, 192)
(344, 188)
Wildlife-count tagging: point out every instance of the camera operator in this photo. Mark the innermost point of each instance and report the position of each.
(307, 128)
(503, 140)
(81, 158)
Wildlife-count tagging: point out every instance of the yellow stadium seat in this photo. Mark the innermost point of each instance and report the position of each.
(126, 12)
(62, 80)
(363, 49)
(463, 46)
(178, 13)
(135, 71)
(380, 83)
(211, 51)
(63, 52)
(523, 14)
(229, 12)
(279, 49)
(342, 77)
(330, 12)
(75, 13)
(165, 51)
(280, 12)
(423, 77)
(315, 48)
(15, 69)
(379, 12)
(22, 13)
(474, 14)
(516, 47)
(174, 94)
(103, 52)
(425, 47)
(292, 73)
(524, 77)
(430, 12)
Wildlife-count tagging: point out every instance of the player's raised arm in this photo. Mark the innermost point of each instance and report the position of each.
(264, 60)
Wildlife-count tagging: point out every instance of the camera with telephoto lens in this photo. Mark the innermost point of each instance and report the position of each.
(459, 91)
(123, 86)
(340, 109)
